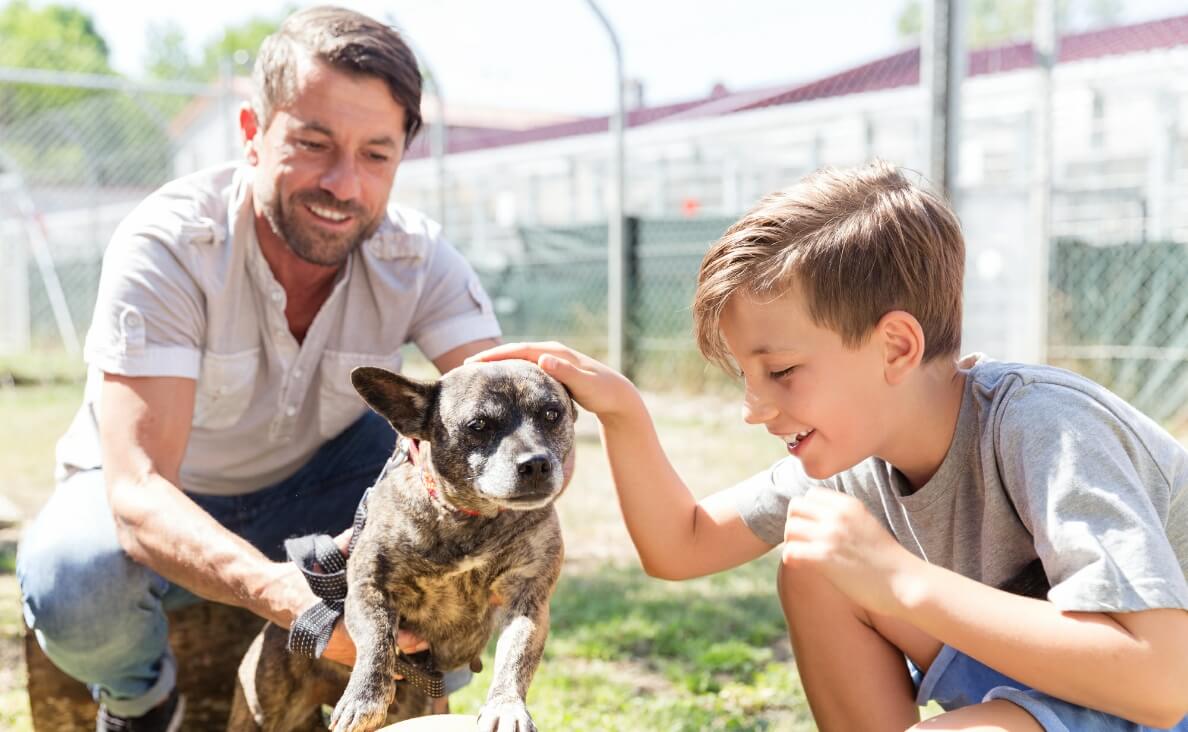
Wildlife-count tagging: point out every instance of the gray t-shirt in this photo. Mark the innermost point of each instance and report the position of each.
(1052, 486)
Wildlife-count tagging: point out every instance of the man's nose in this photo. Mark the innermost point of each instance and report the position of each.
(342, 179)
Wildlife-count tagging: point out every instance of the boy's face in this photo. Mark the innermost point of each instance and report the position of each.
(824, 400)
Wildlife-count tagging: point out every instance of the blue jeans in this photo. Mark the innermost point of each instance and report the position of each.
(955, 680)
(100, 617)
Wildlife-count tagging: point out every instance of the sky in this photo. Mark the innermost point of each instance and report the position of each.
(553, 55)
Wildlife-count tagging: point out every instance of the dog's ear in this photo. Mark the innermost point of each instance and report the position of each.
(405, 402)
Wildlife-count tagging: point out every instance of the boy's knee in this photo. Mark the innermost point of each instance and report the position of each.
(800, 578)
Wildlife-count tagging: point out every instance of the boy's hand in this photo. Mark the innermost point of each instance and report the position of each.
(833, 533)
(597, 387)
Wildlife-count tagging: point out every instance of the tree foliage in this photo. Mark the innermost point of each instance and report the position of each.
(53, 38)
(57, 133)
(989, 22)
(233, 51)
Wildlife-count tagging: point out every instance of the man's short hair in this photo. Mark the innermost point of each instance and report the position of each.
(859, 243)
(345, 40)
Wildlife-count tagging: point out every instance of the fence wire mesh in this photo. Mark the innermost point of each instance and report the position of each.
(77, 153)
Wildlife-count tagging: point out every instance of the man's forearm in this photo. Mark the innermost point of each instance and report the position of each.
(1086, 658)
(161, 528)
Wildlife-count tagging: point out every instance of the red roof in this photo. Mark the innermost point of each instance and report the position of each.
(890, 72)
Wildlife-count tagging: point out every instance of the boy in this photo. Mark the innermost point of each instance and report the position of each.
(1017, 532)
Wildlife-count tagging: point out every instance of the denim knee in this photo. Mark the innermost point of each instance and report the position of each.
(90, 606)
(87, 609)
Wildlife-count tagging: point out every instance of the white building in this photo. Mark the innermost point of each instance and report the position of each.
(1120, 101)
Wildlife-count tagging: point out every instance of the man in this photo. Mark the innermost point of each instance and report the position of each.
(219, 417)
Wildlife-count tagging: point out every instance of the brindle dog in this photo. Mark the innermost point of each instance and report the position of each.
(461, 540)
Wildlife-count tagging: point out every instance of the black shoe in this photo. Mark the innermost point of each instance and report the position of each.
(165, 717)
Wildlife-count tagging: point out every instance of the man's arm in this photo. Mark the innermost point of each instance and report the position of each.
(144, 427)
(454, 357)
(676, 536)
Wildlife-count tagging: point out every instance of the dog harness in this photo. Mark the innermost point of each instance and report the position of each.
(324, 568)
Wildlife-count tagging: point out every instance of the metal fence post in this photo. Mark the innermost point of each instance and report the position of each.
(1044, 42)
(632, 279)
(615, 290)
(942, 66)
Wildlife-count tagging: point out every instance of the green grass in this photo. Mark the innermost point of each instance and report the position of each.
(35, 417)
(14, 702)
(41, 367)
(626, 651)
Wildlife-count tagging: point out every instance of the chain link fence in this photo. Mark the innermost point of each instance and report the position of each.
(78, 152)
(557, 290)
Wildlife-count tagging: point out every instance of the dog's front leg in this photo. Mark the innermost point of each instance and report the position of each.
(517, 654)
(371, 621)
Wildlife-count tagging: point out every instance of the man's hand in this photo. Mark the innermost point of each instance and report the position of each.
(289, 592)
(594, 385)
(834, 534)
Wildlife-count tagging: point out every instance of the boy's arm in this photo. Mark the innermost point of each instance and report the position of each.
(676, 536)
(1133, 665)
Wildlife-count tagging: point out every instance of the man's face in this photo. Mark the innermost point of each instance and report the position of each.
(822, 399)
(326, 162)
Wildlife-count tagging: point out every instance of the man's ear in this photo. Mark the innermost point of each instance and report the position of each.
(249, 131)
(405, 402)
(903, 344)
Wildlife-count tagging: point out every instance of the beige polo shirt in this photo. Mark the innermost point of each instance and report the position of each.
(185, 291)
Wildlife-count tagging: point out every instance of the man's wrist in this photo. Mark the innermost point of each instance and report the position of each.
(272, 594)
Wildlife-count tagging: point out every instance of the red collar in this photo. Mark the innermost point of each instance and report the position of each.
(427, 479)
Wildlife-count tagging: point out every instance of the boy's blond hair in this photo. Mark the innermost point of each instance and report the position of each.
(859, 242)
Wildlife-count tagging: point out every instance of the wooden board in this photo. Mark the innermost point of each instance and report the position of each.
(208, 640)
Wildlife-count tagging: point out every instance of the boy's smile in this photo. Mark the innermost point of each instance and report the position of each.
(821, 398)
(795, 441)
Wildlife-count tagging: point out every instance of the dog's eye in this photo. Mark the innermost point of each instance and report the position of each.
(477, 425)
(552, 415)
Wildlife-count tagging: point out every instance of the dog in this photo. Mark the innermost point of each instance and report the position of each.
(459, 539)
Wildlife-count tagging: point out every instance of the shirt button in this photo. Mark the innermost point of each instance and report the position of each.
(277, 295)
(290, 410)
(298, 373)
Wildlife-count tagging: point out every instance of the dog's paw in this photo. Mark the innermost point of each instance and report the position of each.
(360, 710)
(508, 716)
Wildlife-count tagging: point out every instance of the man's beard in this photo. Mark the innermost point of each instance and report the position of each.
(310, 243)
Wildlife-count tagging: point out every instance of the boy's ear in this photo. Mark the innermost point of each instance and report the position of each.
(903, 344)
(405, 402)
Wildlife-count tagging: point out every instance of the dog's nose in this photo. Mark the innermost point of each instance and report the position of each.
(532, 466)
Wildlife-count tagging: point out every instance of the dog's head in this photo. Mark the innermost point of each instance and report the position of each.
(499, 434)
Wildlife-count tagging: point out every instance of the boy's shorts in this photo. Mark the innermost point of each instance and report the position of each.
(955, 680)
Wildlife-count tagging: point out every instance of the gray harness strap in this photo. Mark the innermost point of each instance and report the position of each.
(324, 569)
